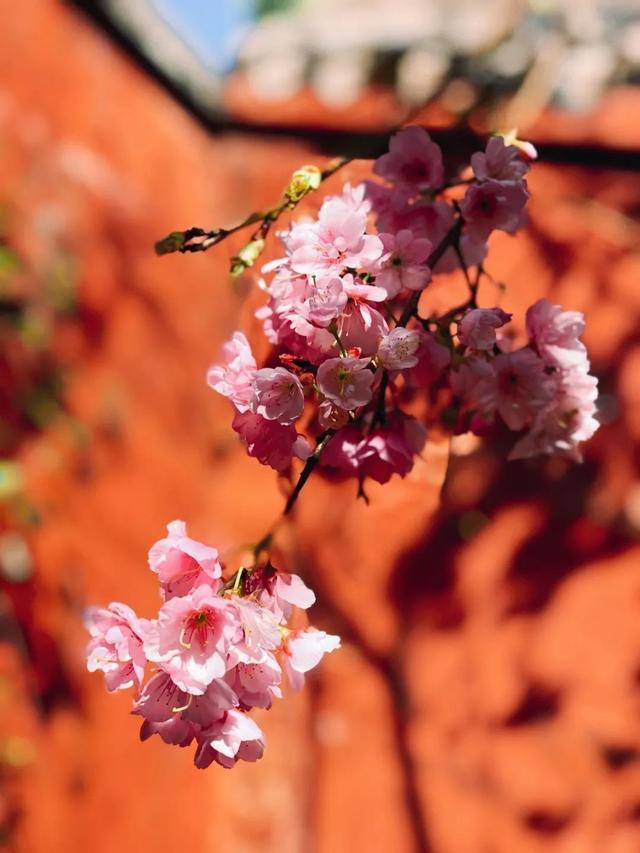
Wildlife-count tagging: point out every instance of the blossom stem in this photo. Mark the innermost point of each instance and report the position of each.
(472, 285)
(334, 332)
(451, 238)
(199, 240)
(309, 465)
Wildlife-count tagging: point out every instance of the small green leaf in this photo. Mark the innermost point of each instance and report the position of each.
(171, 243)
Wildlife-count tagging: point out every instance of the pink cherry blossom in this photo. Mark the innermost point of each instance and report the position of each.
(271, 443)
(331, 416)
(234, 737)
(354, 358)
(346, 381)
(182, 563)
(356, 198)
(433, 359)
(256, 681)
(472, 380)
(392, 448)
(326, 300)
(567, 421)
(234, 379)
(477, 328)
(362, 327)
(336, 241)
(303, 650)
(161, 700)
(278, 395)
(432, 221)
(515, 385)
(499, 162)
(379, 453)
(355, 289)
(174, 731)
(493, 205)
(403, 265)
(297, 307)
(286, 592)
(413, 159)
(400, 348)
(259, 629)
(192, 638)
(556, 334)
(116, 645)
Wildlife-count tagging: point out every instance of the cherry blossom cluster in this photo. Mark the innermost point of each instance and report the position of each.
(543, 390)
(352, 357)
(215, 650)
(355, 374)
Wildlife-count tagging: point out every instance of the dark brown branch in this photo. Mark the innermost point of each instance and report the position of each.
(306, 472)
(199, 240)
(451, 238)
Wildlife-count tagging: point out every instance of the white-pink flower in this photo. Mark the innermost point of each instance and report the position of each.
(284, 592)
(116, 645)
(192, 637)
(356, 289)
(259, 626)
(515, 386)
(271, 443)
(568, 420)
(356, 198)
(556, 334)
(432, 220)
(161, 700)
(379, 454)
(400, 349)
(346, 381)
(278, 395)
(303, 650)
(477, 329)
(336, 241)
(362, 327)
(234, 379)
(433, 358)
(256, 680)
(413, 160)
(232, 738)
(326, 301)
(331, 416)
(493, 205)
(499, 162)
(182, 563)
(403, 265)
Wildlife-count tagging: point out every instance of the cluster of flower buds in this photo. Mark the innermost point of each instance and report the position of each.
(217, 649)
(351, 353)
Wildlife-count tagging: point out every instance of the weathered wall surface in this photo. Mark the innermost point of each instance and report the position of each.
(488, 685)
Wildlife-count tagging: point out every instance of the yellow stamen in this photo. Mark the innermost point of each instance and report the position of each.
(181, 639)
(184, 707)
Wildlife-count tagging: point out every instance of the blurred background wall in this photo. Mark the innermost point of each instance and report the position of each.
(487, 696)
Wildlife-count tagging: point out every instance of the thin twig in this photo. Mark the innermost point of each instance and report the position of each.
(199, 240)
(309, 465)
(451, 238)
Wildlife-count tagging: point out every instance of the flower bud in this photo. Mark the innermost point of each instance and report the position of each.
(246, 257)
(303, 181)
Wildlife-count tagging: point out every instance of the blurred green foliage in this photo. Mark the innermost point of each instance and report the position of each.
(269, 7)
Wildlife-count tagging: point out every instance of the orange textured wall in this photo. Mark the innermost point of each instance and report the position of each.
(487, 694)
